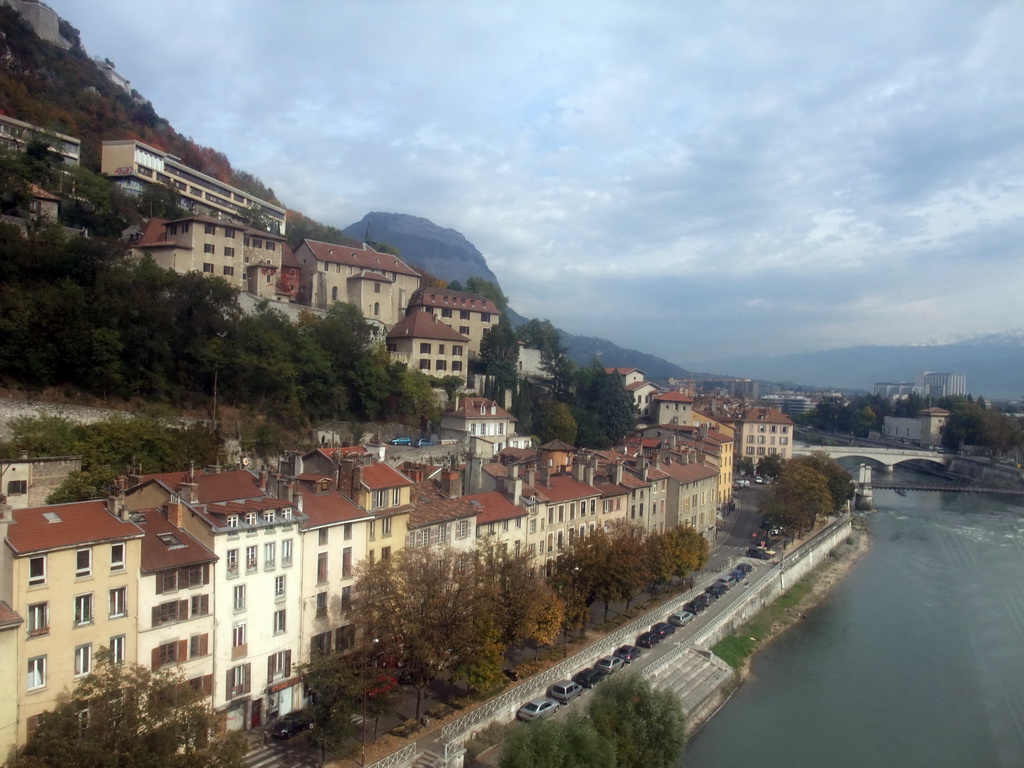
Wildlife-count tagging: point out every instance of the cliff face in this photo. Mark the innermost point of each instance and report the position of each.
(443, 253)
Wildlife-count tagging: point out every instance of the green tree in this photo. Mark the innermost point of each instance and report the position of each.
(555, 421)
(128, 716)
(335, 687)
(645, 726)
(489, 289)
(840, 484)
(613, 411)
(574, 743)
(798, 498)
(770, 465)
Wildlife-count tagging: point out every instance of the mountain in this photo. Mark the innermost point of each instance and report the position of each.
(443, 253)
(993, 365)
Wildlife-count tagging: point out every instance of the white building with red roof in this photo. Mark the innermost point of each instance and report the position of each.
(426, 344)
(482, 418)
(470, 314)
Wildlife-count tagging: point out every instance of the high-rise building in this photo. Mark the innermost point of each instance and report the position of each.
(943, 384)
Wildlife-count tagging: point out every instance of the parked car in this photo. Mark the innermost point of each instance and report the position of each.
(663, 629)
(758, 554)
(735, 577)
(565, 691)
(609, 664)
(716, 590)
(723, 583)
(628, 653)
(589, 677)
(681, 618)
(424, 442)
(648, 639)
(290, 725)
(537, 708)
(745, 567)
(400, 441)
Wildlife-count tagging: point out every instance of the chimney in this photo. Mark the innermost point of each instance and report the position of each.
(264, 477)
(618, 473)
(298, 502)
(174, 511)
(591, 470)
(544, 472)
(474, 473)
(531, 476)
(350, 477)
(289, 490)
(6, 516)
(189, 492)
(451, 482)
(23, 455)
(115, 502)
(577, 471)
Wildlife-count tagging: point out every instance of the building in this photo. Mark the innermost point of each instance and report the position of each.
(692, 496)
(379, 284)
(482, 418)
(933, 422)
(761, 432)
(16, 135)
(10, 667)
(247, 259)
(672, 408)
(133, 166)
(426, 344)
(893, 389)
(934, 384)
(27, 482)
(471, 314)
(70, 571)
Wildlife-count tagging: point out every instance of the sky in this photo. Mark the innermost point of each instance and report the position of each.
(694, 180)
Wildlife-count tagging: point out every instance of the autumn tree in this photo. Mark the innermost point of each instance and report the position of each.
(128, 716)
(798, 498)
(676, 553)
(840, 484)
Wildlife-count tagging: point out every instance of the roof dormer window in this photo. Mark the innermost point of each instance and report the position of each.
(251, 518)
(232, 521)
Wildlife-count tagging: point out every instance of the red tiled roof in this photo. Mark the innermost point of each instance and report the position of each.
(557, 445)
(494, 507)
(60, 526)
(228, 486)
(689, 473)
(288, 257)
(8, 616)
(41, 194)
(675, 396)
(442, 297)
(159, 554)
(423, 325)
(622, 371)
(437, 510)
(329, 508)
(378, 476)
(563, 488)
(375, 276)
(469, 408)
(363, 257)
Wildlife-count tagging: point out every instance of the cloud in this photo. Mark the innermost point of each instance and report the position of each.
(686, 179)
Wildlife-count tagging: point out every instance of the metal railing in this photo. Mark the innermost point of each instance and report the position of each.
(397, 759)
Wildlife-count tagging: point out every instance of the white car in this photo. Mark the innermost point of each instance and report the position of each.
(609, 664)
(536, 709)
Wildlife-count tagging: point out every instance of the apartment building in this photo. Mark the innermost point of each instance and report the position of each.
(379, 284)
(132, 166)
(471, 314)
(70, 571)
(425, 344)
(691, 495)
(481, 418)
(27, 482)
(10, 669)
(384, 492)
(16, 135)
(761, 432)
(672, 408)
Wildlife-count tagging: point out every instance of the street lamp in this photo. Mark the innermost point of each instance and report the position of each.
(366, 658)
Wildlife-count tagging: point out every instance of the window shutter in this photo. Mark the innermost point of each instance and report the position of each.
(155, 660)
(270, 667)
(228, 691)
(182, 650)
(208, 684)
(156, 616)
(248, 678)
(204, 644)
(182, 610)
(287, 663)
(206, 574)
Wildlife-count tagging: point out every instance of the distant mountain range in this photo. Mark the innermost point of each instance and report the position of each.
(993, 365)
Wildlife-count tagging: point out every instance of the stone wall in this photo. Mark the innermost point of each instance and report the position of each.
(80, 414)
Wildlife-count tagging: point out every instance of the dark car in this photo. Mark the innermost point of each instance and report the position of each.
(698, 604)
(628, 653)
(737, 576)
(758, 554)
(648, 639)
(724, 583)
(291, 724)
(716, 590)
(589, 677)
(745, 567)
(663, 629)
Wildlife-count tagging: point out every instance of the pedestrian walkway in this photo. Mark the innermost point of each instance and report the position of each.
(694, 677)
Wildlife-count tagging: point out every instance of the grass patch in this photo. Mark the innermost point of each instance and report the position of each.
(740, 646)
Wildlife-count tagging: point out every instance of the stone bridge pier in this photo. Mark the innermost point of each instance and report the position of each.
(863, 496)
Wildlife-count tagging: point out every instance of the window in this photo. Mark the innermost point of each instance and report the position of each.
(198, 645)
(208, 248)
(17, 487)
(238, 681)
(210, 229)
(323, 536)
(257, 242)
(457, 350)
(440, 349)
(425, 348)
(396, 499)
(269, 551)
(279, 665)
(198, 575)
(117, 557)
(463, 314)
(462, 529)
(286, 552)
(321, 604)
(83, 563)
(376, 287)
(38, 619)
(279, 622)
(456, 365)
(346, 598)
(36, 672)
(269, 515)
(321, 568)
(376, 308)
(232, 562)
(168, 582)
(83, 659)
(279, 588)
(167, 613)
(380, 499)
(118, 602)
(424, 365)
(232, 521)
(446, 312)
(229, 233)
(346, 531)
(441, 365)
(385, 522)
(229, 271)
(83, 610)
(464, 330)
(207, 267)
(200, 605)
(346, 563)
(485, 317)
(385, 553)
(37, 570)
(229, 251)
(238, 646)
(334, 293)
(117, 643)
(251, 562)
(251, 518)
(239, 598)
(271, 245)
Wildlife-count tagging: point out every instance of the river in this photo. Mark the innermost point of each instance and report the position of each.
(915, 659)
